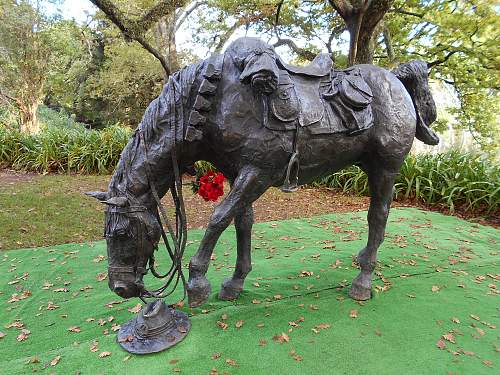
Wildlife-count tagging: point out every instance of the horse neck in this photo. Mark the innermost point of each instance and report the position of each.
(148, 155)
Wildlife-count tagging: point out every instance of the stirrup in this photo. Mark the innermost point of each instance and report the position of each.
(292, 171)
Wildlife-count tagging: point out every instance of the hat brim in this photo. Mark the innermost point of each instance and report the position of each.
(129, 341)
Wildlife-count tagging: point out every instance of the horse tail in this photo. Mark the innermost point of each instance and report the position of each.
(413, 75)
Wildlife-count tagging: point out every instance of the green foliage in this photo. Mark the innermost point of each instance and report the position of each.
(203, 167)
(461, 39)
(63, 149)
(452, 179)
(128, 80)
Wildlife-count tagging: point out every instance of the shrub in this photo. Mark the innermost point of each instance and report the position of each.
(453, 179)
(60, 149)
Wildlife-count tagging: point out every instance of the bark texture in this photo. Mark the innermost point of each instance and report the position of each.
(362, 18)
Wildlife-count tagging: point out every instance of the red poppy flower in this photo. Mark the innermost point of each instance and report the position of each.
(211, 186)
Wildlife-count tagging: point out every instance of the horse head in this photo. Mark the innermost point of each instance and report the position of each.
(132, 233)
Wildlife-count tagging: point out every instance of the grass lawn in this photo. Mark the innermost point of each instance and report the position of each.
(38, 210)
(45, 210)
(434, 310)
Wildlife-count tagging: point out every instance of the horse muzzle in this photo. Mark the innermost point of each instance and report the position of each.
(125, 286)
(126, 289)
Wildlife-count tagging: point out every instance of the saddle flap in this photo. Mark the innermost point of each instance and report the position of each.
(311, 104)
(297, 97)
(354, 90)
(284, 103)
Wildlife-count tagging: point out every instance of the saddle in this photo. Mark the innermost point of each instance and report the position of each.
(319, 98)
(325, 100)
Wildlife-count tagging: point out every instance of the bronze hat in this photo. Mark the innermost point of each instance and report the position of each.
(156, 328)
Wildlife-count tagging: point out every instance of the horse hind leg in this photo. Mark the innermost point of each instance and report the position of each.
(233, 286)
(381, 182)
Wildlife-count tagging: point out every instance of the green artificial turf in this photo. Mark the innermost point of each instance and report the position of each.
(436, 285)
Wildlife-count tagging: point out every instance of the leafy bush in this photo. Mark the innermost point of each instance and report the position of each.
(453, 179)
(50, 118)
(59, 149)
(203, 167)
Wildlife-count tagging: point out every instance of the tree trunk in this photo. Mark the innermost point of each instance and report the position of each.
(361, 18)
(366, 48)
(29, 118)
(165, 33)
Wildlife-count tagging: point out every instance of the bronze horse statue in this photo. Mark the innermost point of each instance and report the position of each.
(262, 123)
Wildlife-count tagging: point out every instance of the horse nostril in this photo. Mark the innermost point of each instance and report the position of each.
(120, 288)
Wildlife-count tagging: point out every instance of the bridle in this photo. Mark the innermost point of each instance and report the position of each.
(178, 234)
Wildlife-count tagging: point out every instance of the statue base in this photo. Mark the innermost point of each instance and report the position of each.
(157, 328)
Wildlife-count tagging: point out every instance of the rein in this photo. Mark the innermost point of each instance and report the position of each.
(179, 234)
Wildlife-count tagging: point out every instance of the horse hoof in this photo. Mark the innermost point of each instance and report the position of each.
(198, 291)
(230, 290)
(359, 292)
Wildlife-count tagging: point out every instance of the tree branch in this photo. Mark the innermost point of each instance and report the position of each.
(302, 52)
(408, 13)
(388, 43)
(224, 38)
(443, 60)
(10, 98)
(343, 7)
(135, 29)
(185, 14)
(161, 9)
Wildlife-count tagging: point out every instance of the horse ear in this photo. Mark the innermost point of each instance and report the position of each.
(99, 195)
(117, 201)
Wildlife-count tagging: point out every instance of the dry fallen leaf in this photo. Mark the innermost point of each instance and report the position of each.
(216, 355)
(449, 337)
(15, 324)
(222, 324)
(231, 362)
(101, 276)
(323, 326)
(104, 354)
(136, 308)
(440, 344)
(128, 338)
(55, 361)
(239, 323)
(75, 329)
(2, 335)
(435, 288)
(94, 347)
(23, 335)
(178, 304)
(353, 314)
(51, 306)
(282, 338)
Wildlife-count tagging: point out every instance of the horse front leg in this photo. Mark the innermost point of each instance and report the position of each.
(381, 184)
(248, 186)
(232, 286)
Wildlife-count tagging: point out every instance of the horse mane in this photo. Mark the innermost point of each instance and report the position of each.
(168, 109)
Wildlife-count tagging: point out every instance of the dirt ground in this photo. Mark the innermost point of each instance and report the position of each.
(8, 177)
(273, 205)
